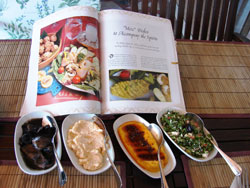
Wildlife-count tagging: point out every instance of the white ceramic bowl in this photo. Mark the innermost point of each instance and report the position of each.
(211, 155)
(70, 120)
(18, 134)
(171, 159)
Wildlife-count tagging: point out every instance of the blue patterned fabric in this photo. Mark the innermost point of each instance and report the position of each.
(18, 16)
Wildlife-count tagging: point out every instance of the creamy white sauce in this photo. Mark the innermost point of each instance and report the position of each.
(86, 139)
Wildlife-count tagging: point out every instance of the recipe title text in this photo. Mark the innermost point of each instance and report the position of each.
(135, 33)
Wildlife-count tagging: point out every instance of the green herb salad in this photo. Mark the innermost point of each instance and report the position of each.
(187, 134)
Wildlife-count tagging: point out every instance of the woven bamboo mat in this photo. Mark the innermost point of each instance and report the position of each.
(12, 176)
(215, 76)
(214, 173)
(14, 60)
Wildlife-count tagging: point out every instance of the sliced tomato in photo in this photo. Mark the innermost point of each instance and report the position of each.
(125, 74)
(76, 79)
(60, 70)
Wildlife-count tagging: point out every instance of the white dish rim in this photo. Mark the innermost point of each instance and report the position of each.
(171, 158)
(212, 154)
(67, 122)
(17, 135)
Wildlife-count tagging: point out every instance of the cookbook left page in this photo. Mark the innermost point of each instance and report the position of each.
(64, 73)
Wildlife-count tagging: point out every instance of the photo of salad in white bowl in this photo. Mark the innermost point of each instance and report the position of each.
(77, 68)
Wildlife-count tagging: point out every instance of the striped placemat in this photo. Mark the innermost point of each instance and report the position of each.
(214, 173)
(215, 76)
(14, 61)
(11, 176)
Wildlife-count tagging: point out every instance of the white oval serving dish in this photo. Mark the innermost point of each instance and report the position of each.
(18, 134)
(67, 122)
(171, 159)
(211, 155)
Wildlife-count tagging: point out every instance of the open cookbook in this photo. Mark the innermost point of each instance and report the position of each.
(103, 62)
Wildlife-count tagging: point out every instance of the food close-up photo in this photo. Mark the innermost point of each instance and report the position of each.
(139, 85)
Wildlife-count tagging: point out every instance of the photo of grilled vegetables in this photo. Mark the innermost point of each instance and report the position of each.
(130, 89)
(139, 85)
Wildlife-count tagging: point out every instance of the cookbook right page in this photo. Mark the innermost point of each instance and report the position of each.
(140, 72)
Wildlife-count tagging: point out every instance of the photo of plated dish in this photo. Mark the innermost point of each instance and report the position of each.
(66, 59)
(126, 84)
(186, 135)
(77, 68)
(83, 141)
(143, 156)
(119, 91)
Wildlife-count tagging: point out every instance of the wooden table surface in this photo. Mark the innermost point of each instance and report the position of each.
(216, 85)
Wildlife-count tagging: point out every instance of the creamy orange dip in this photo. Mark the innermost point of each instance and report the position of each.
(86, 139)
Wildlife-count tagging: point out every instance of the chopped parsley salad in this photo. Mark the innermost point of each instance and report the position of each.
(187, 134)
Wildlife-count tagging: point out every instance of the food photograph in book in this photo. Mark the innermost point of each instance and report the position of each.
(69, 61)
(128, 84)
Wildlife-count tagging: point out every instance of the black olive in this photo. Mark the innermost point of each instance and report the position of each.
(49, 154)
(47, 131)
(48, 149)
(31, 127)
(189, 128)
(35, 144)
(41, 142)
(25, 139)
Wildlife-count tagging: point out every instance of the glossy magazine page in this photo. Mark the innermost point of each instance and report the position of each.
(64, 67)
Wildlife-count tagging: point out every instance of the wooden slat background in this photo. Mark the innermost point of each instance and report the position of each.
(215, 76)
(12, 176)
(194, 19)
(215, 173)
